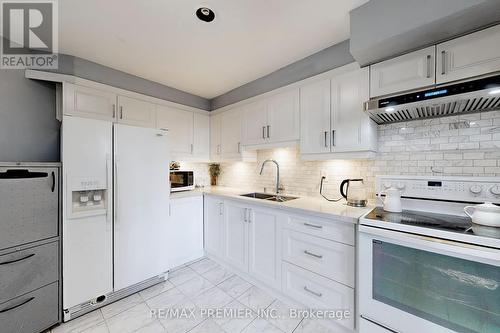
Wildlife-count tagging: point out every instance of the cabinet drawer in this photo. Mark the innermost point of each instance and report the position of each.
(27, 270)
(333, 260)
(29, 205)
(31, 312)
(337, 231)
(317, 292)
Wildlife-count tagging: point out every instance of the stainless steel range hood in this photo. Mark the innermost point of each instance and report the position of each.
(474, 95)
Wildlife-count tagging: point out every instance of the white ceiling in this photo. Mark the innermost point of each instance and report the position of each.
(163, 41)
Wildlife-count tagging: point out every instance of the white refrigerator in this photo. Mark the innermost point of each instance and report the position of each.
(115, 209)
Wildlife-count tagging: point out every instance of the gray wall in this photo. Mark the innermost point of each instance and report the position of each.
(29, 131)
(95, 72)
(381, 29)
(322, 61)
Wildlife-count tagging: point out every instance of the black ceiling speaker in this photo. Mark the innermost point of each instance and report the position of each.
(205, 14)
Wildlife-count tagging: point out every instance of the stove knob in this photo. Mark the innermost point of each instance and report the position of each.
(401, 186)
(387, 184)
(495, 190)
(476, 189)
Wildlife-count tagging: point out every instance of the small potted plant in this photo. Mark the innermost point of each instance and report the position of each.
(214, 170)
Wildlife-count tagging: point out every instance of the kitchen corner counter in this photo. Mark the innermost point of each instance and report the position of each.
(318, 207)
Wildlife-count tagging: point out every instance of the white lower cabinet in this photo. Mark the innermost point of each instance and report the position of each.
(265, 246)
(236, 235)
(307, 259)
(317, 292)
(186, 222)
(248, 238)
(213, 225)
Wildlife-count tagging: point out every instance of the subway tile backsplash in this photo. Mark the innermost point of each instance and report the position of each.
(465, 145)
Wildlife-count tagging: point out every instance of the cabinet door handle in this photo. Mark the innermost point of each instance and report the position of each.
(268, 128)
(17, 260)
(249, 215)
(245, 214)
(429, 66)
(17, 305)
(326, 139)
(443, 62)
(239, 148)
(333, 138)
(221, 206)
(121, 112)
(319, 256)
(263, 132)
(313, 225)
(114, 111)
(52, 189)
(315, 293)
(192, 148)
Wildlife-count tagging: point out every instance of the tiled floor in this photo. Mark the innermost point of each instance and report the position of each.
(201, 285)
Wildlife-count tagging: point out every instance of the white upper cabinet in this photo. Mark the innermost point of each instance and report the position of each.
(352, 129)
(283, 117)
(189, 133)
(135, 112)
(215, 137)
(225, 137)
(201, 136)
(254, 123)
(179, 124)
(407, 72)
(272, 120)
(89, 103)
(332, 119)
(315, 117)
(467, 56)
(230, 144)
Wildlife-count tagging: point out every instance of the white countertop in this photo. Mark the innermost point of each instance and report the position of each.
(303, 205)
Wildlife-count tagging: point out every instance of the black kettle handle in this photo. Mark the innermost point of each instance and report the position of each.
(342, 192)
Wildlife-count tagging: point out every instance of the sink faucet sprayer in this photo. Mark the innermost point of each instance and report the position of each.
(277, 175)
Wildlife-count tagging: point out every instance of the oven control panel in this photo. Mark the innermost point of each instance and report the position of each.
(467, 189)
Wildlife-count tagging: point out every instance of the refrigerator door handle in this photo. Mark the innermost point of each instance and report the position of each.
(108, 189)
(115, 193)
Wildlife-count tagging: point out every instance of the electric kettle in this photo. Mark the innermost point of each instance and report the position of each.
(354, 191)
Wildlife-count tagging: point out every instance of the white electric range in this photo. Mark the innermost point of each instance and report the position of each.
(425, 269)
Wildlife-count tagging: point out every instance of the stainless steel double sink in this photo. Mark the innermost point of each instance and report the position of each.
(269, 197)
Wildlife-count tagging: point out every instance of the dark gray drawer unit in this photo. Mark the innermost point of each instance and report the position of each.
(30, 292)
(29, 205)
(27, 270)
(32, 312)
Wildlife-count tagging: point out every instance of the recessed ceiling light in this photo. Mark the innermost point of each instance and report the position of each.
(390, 109)
(205, 14)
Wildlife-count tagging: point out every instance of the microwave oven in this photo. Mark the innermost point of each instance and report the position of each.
(181, 180)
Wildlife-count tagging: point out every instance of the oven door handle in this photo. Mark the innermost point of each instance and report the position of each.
(430, 243)
(374, 322)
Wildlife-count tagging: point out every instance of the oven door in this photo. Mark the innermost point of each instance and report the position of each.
(414, 284)
(181, 180)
